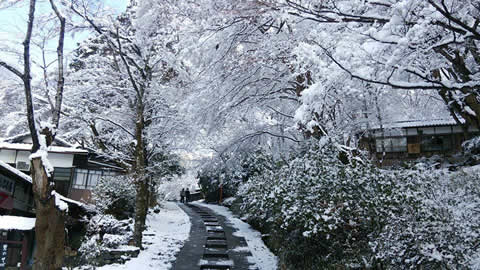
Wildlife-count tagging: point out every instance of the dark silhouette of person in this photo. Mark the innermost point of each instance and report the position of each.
(187, 195)
(182, 195)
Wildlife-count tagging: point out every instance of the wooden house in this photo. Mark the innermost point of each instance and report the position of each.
(17, 217)
(76, 170)
(402, 141)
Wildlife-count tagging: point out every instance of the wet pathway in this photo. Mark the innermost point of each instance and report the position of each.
(212, 245)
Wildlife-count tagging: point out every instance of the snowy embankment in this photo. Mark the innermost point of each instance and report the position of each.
(163, 239)
(264, 259)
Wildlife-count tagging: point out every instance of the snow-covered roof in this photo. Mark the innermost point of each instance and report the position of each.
(21, 137)
(419, 123)
(16, 223)
(67, 200)
(52, 149)
(106, 165)
(15, 171)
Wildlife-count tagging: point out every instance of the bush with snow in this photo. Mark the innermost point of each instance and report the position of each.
(115, 195)
(104, 233)
(325, 209)
(439, 231)
(232, 173)
(322, 211)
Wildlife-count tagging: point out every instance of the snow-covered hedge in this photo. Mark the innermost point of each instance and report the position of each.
(232, 173)
(440, 231)
(115, 195)
(104, 233)
(324, 212)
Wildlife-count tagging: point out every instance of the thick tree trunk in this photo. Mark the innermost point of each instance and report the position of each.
(49, 225)
(141, 209)
(141, 202)
(50, 221)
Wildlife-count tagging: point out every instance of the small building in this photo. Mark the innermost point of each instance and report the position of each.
(87, 174)
(401, 141)
(17, 217)
(76, 170)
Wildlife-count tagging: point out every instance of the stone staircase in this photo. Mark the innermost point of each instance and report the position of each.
(212, 244)
(215, 254)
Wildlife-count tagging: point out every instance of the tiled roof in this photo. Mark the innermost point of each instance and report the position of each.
(419, 123)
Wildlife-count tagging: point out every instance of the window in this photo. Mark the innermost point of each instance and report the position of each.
(62, 174)
(93, 177)
(391, 144)
(436, 143)
(80, 178)
(6, 184)
(88, 179)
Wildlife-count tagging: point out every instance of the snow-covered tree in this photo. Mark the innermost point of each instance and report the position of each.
(49, 225)
(393, 45)
(127, 81)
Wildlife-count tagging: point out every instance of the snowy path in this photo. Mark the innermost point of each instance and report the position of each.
(164, 237)
(263, 258)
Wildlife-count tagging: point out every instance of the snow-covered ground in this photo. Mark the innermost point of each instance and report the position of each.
(165, 235)
(263, 258)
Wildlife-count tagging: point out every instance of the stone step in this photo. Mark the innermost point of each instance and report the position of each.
(210, 249)
(215, 230)
(212, 254)
(216, 263)
(216, 223)
(214, 227)
(215, 267)
(222, 233)
(210, 220)
(216, 237)
(216, 243)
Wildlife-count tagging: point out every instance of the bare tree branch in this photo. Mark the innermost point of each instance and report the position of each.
(27, 78)
(12, 69)
(60, 79)
(116, 124)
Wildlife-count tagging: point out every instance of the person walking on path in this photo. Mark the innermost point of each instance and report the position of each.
(187, 195)
(182, 196)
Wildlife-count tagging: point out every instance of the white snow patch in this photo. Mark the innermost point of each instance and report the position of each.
(125, 248)
(63, 206)
(220, 262)
(52, 149)
(241, 249)
(16, 172)
(41, 153)
(469, 110)
(264, 259)
(167, 231)
(65, 199)
(16, 223)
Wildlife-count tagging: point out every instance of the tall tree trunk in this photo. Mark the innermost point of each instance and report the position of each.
(141, 201)
(50, 222)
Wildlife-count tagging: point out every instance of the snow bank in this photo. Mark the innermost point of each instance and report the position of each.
(166, 233)
(263, 258)
(16, 223)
